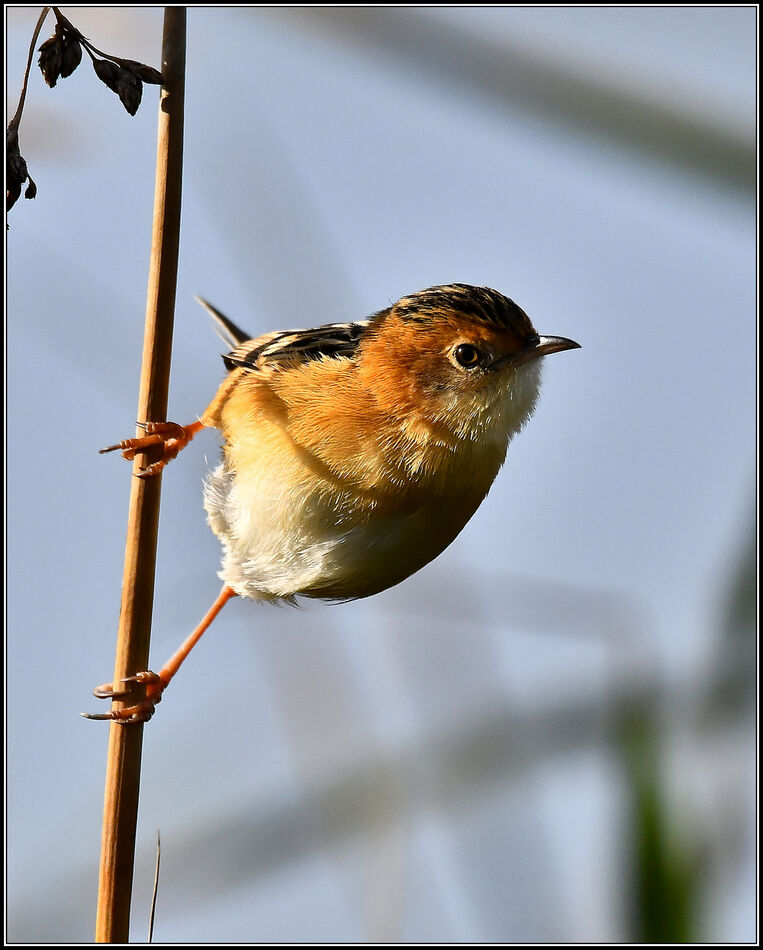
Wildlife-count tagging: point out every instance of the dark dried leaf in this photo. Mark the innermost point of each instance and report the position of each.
(52, 58)
(12, 194)
(15, 169)
(72, 55)
(107, 72)
(122, 81)
(51, 41)
(146, 73)
(130, 90)
(60, 55)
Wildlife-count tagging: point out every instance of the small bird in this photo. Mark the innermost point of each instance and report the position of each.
(353, 453)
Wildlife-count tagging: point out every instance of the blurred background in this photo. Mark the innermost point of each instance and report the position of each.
(548, 734)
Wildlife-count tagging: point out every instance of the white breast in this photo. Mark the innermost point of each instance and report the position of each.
(277, 545)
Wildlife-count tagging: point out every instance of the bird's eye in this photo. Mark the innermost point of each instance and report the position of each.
(467, 355)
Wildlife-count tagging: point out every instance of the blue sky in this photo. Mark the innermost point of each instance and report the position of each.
(325, 178)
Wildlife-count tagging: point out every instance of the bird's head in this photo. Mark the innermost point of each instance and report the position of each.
(458, 358)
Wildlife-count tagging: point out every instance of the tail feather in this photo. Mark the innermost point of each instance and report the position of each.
(226, 329)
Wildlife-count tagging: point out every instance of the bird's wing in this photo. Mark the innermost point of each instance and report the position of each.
(285, 346)
(298, 346)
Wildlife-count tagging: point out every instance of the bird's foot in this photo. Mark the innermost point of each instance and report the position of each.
(141, 711)
(169, 435)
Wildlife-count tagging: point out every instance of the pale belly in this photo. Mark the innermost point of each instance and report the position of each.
(277, 545)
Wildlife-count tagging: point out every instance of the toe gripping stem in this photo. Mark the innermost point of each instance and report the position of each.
(155, 683)
(171, 436)
(141, 711)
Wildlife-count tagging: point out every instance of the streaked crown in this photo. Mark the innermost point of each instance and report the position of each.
(481, 305)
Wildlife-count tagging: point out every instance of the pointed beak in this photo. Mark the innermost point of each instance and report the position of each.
(542, 346)
(552, 344)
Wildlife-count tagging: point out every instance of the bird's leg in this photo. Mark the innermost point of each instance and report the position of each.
(155, 683)
(171, 436)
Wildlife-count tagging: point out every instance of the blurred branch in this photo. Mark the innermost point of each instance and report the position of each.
(457, 767)
(734, 668)
(512, 77)
(663, 886)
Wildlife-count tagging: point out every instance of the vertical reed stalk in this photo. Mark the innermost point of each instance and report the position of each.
(125, 741)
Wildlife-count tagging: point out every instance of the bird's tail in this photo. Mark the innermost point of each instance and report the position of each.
(226, 329)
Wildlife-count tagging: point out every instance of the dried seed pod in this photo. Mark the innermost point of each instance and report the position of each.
(107, 72)
(129, 89)
(72, 54)
(15, 171)
(146, 73)
(122, 81)
(60, 55)
(12, 193)
(52, 57)
(16, 175)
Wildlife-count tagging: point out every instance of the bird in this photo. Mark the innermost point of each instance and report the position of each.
(353, 454)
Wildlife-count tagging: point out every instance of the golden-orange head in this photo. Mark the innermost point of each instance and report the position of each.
(458, 356)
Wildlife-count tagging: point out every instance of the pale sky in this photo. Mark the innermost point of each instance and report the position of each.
(322, 181)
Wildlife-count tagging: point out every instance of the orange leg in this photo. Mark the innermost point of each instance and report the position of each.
(170, 435)
(156, 683)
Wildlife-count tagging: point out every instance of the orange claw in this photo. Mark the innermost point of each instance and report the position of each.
(130, 715)
(171, 436)
(139, 712)
(156, 683)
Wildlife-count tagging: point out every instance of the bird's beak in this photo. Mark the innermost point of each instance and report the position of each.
(542, 346)
(552, 344)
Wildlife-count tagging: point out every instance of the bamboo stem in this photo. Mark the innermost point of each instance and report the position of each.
(125, 741)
